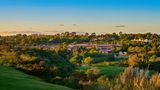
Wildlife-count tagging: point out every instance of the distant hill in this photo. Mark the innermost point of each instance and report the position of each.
(11, 79)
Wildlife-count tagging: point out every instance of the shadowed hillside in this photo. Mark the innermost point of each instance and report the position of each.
(11, 79)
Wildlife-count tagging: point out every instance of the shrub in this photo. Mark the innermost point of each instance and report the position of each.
(132, 79)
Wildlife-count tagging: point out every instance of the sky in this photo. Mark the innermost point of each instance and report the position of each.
(100, 16)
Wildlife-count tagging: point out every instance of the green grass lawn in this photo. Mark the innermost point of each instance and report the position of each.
(11, 79)
(109, 71)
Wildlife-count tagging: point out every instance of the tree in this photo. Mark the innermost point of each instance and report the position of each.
(87, 60)
(133, 60)
(73, 60)
(153, 58)
(26, 57)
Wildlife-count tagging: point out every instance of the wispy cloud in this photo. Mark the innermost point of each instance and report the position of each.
(61, 25)
(119, 26)
(74, 24)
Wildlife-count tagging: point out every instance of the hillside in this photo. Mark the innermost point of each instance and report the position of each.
(11, 79)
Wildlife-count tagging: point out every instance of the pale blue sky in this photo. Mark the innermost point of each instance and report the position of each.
(88, 15)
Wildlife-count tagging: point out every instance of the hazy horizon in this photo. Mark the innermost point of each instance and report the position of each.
(100, 16)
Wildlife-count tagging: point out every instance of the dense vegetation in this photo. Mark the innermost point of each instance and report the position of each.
(48, 57)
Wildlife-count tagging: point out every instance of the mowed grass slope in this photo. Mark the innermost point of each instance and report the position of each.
(11, 79)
